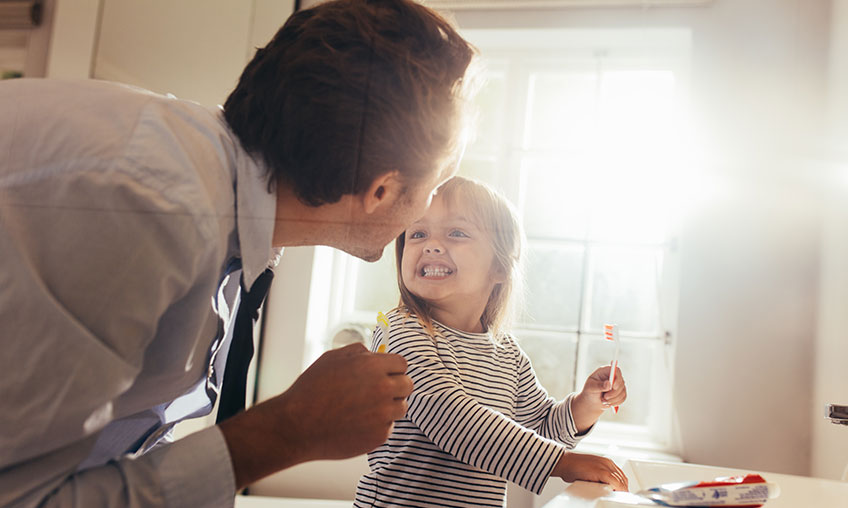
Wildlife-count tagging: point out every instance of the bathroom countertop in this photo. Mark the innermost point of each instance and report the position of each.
(795, 491)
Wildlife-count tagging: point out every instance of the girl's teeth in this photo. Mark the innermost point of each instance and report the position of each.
(432, 271)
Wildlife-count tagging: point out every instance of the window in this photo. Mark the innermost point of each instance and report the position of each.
(582, 131)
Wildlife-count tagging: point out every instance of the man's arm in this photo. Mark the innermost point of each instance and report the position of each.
(343, 405)
(91, 264)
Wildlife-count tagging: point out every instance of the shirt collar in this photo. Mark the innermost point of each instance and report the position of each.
(256, 207)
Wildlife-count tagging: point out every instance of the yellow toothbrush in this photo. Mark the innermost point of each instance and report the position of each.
(383, 323)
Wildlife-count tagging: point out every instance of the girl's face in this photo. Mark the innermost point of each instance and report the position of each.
(449, 262)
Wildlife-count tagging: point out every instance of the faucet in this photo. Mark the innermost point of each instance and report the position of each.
(837, 414)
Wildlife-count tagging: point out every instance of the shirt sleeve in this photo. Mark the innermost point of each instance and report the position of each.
(473, 433)
(89, 272)
(193, 471)
(537, 410)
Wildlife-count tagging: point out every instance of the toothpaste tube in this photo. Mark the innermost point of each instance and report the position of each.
(734, 491)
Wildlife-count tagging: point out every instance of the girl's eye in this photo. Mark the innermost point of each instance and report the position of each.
(458, 233)
(416, 235)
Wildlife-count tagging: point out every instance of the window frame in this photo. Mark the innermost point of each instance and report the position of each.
(331, 290)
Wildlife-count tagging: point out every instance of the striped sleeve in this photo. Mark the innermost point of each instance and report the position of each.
(473, 433)
(537, 410)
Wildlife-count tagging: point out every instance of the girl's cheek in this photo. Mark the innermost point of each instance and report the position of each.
(406, 273)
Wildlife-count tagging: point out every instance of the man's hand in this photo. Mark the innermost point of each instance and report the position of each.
(343, 405)
(591, 468)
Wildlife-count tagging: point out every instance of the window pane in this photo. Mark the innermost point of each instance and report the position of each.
(557, 197)
(553, 285)
(631, 210)
(376, 283)
(485, 170)
(636, 108)
(489, 103)
(552, 356)
(638, 171)
(636, 361)
(561, 110)
(623, 289)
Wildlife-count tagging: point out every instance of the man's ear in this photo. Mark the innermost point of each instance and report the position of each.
(384, 190)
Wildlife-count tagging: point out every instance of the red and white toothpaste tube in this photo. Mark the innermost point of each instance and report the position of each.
(733, 491)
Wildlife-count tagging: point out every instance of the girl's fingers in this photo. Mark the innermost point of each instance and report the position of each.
(615, 398)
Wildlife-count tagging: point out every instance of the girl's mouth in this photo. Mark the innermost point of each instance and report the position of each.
(435, 271)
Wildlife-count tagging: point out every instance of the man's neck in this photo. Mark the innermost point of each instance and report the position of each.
(300, 224)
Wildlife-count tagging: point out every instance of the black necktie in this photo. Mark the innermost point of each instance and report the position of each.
(241, 348)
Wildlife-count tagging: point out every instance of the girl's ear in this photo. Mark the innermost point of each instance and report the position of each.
(498, 273)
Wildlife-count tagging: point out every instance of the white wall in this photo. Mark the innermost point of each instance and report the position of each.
(830, 442)
(38, 42)
(73, 37)
(194, 49)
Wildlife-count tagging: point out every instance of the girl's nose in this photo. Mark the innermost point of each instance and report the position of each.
(433, 249)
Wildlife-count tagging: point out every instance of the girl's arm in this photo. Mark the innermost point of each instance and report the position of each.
(567, 421)
(537, 410)
(461, 426)
(580, 411)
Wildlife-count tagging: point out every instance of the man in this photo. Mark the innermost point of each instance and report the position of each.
(127, 218)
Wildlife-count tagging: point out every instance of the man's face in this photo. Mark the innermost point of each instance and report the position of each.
(369, 237)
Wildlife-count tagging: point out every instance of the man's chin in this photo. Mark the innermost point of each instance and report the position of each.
(365, 255)
(372, 258)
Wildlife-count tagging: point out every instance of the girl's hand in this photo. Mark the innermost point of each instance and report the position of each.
(591, 468)
(598, 390)
(596, 396)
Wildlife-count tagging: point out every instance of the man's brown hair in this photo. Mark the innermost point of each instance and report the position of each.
(349, 90)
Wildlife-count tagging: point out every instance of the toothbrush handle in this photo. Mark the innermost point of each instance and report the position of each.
(613, 366)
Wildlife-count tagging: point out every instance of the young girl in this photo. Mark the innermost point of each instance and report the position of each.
(478, 416)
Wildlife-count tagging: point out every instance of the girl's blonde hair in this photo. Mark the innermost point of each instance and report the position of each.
(492, 213)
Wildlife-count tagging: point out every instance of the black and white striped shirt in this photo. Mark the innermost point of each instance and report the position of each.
(477, 418)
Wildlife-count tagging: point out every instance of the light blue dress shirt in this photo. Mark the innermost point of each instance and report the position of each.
(119, 210)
